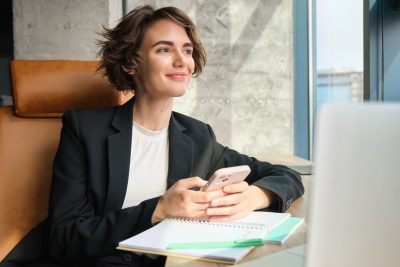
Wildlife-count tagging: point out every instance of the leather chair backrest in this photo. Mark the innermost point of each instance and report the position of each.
(29, 135)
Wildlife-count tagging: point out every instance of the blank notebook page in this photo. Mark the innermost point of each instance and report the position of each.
(157, 238)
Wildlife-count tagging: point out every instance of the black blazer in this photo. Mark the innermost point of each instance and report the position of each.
(91, 171)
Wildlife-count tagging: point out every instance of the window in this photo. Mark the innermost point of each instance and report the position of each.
(338, 51)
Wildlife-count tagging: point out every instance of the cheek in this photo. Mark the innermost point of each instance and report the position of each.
(191, 65)
(156, 65)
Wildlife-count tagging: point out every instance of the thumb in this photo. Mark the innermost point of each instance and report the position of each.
(192, 182)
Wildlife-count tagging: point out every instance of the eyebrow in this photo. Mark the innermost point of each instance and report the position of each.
(169, 43)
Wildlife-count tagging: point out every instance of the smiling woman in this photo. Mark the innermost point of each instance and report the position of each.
(166, 60)
(120, 170)
(119, 50)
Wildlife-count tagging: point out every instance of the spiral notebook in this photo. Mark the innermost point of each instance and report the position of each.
(224, 242)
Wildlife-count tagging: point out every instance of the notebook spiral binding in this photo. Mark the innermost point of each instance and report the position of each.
(241, 225)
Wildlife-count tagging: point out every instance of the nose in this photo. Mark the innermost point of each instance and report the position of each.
(179, 60)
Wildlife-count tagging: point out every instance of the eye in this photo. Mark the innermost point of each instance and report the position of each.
(163, 50)
(188, 51)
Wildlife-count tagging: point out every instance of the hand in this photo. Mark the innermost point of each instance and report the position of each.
(240, 200)
(180, 201)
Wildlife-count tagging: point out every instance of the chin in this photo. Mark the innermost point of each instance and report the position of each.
(179, 92)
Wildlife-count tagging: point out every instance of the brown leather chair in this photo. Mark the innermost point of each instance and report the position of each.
(29, 135)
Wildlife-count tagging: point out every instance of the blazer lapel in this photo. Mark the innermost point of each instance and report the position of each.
(180, 153)
(119, 154)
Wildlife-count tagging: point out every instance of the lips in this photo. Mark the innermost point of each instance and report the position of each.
(179, 76)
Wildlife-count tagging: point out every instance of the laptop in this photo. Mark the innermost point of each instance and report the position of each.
(354, 210)
(355, 193)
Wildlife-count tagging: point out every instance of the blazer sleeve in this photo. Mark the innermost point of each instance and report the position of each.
(78, 232)
(285, 183)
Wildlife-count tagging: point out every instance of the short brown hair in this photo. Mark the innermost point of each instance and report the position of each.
(119, 49)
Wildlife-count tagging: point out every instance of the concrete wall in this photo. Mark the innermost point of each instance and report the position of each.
(246, 90)
(61, 29)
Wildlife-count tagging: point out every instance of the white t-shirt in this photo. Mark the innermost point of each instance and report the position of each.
(148, 168)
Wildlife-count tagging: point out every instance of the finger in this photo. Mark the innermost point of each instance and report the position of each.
(205, 197)
(226, 210)
(201, 216)
(236, 188)
(191, 182)
(200, 206)
(228, 200)
(192, 209)
(189, 210)
(198, 215)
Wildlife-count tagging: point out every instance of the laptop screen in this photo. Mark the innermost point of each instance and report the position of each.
(355, 192)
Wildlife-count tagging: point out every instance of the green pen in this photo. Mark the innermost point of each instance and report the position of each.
(223, 244)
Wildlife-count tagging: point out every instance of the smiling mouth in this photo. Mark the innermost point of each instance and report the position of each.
(177, 76)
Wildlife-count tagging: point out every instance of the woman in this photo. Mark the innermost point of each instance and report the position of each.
(120, 170)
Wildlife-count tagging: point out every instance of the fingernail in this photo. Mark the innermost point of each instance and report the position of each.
(214, 202)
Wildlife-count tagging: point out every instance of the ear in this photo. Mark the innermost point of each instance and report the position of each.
(130, 71)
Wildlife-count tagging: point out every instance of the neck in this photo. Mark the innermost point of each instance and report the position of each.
(152, 114)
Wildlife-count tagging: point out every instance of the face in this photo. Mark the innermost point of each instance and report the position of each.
(166, 63)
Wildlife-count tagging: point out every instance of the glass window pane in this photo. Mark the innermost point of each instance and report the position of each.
(339, 50)
(338, 70)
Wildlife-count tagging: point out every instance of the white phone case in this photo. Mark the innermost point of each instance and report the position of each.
(226, 176)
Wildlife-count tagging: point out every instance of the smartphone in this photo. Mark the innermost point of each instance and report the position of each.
(226, 176)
